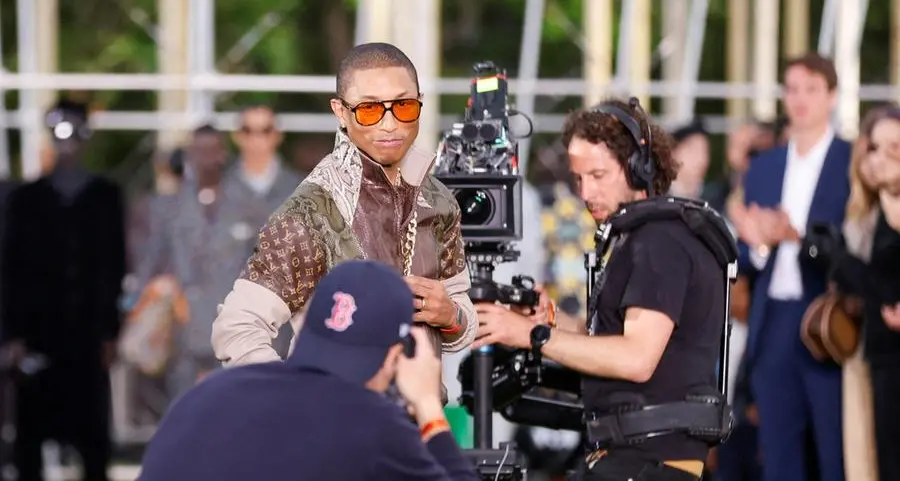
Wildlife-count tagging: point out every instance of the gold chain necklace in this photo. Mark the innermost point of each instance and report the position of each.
(409, 244)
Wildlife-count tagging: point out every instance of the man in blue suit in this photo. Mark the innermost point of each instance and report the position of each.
(786, 190)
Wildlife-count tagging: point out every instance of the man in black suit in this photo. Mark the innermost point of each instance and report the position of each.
(64, 263)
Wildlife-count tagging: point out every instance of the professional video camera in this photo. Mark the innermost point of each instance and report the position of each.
(478, 161)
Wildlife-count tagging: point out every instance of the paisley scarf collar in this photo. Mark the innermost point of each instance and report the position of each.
(340, 173)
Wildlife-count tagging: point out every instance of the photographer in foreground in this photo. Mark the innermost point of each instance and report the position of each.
(655, 318)
(322, 414)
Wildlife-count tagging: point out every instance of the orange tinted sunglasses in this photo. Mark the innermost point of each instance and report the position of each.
(368, 114)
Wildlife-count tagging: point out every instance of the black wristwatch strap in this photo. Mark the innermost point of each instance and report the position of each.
(538, 341)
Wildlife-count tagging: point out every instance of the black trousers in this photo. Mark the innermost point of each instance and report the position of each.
(69, 407)
(622, 468)
(886, 397)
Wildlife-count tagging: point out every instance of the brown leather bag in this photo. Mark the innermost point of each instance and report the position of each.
(831, 326)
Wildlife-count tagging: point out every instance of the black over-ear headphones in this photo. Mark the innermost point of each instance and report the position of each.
(641, 170)
(62, 128)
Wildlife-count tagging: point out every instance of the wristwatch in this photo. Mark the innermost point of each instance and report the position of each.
(540, 334)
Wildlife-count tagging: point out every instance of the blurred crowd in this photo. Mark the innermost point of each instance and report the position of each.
(75, 256)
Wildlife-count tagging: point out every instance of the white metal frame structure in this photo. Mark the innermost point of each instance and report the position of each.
(842, 22)
(202, 81)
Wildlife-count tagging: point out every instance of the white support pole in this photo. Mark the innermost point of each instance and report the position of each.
(207, 60)
(29, 100)
(624, 48)
(38, 28)
(171, 54)
(598, 64)
(529, 56)
(201, 57)
(374, 21)
(417, 31)
(765, 59)
(4, 137)
(738, 54)
(851, 19)
(194, 35)
(363, 18)
(690, 71)
(641, 41)
(675, 15)
(826, 32)
(796, 27)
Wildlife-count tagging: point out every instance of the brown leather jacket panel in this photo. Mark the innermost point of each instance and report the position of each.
(345, 209)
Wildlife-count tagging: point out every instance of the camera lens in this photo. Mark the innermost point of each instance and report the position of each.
(470, 132)
(487, 132)
(476, 206)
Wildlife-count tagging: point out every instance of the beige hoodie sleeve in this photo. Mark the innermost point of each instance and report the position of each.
(456, 280)
(458, 289)
(275, 285)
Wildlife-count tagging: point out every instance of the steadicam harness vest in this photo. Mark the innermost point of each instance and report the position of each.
(627, 419)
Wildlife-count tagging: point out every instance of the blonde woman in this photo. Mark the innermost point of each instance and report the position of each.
(859, 226)
(872, 271)
(882, 321)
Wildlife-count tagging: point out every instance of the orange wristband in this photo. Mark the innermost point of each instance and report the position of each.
(431, 426)
(457, 326)
(551, 315)
(451, 330)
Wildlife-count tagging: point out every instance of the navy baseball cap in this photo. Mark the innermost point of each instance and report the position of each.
(359, 310)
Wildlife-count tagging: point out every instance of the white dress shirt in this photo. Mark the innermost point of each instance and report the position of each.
(801, 176)
(262, 182)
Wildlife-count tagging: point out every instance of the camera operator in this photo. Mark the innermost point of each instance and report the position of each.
(656, 313)
(322, 414)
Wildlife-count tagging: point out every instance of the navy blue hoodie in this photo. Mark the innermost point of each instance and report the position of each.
(277, 422)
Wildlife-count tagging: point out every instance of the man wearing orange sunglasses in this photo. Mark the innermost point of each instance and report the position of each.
(372, 197)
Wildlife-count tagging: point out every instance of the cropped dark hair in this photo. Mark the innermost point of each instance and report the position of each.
(818, 64)
(206, 129)
(696, 127)
(74, 108)
(596, 127)
(372, 55)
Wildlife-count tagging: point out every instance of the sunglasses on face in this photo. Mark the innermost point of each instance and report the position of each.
(263, 131)
(368, 114)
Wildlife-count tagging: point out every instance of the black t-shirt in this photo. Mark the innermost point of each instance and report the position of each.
(662, 266)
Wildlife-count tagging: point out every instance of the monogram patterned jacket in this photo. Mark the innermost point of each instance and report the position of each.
(345, 209)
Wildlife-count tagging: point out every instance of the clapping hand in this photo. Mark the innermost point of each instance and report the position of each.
(891, 316)
(772, 226)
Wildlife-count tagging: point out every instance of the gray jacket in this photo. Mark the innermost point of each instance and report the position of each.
(206, 254)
